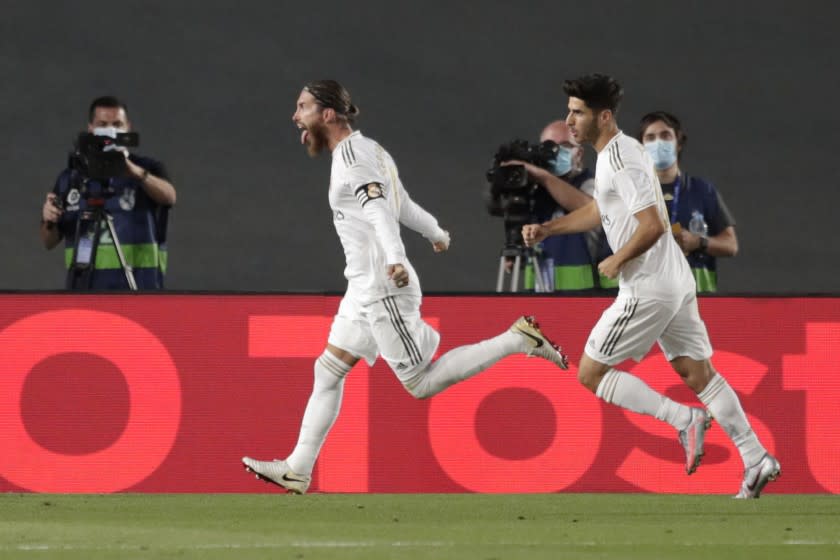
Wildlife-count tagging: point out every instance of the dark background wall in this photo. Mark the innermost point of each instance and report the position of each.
(211, 87)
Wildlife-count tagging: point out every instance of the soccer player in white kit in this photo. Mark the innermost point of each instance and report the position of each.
(380, 311)
(656, 300)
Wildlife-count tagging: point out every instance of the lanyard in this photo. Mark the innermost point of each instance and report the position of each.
(676, 199)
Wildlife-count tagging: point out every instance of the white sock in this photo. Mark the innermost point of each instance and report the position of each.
(723, 403)
(464, 362)
(628, 391)
(321, 412)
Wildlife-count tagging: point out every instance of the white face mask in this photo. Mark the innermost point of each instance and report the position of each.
(564, 161)
(663, 152)
(110, 132)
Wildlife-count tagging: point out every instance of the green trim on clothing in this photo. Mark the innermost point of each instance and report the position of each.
(139, 255)
(566, 277)
(706, 279)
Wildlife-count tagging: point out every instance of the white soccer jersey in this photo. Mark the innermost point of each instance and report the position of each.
(626, 183)
(369, 202)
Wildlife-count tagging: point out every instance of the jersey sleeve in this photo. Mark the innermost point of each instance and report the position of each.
(158, 169)
(414, 216)
(362, 174)
(62, 183)
(635, 189)
(155, 167)
(61, 189)
(719, 218)
(379, 214)
(371, 190)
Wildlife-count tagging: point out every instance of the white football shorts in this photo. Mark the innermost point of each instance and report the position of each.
(391, 328)
(629, 327)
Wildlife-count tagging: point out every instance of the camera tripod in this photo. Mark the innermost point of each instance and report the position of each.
(88, 233)
(520, 253)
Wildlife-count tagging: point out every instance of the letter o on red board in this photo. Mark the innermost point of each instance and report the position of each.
(460, 453)
(155, 397)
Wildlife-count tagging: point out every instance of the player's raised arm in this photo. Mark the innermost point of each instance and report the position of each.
(584, 218)
(415, 217)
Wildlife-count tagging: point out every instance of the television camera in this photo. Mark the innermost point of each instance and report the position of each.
(511, 195)
(98, 157)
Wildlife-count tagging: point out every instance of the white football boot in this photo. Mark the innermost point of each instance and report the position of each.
(693, 437)
(278, 472)
(539, 344)
(757, 476)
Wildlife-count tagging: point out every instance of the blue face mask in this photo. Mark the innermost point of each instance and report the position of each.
(562, 163)
(663, 152)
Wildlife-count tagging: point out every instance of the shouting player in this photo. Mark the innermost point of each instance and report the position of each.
(380, 311)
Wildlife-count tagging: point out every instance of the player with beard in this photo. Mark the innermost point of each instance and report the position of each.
(656, 299)
(380, 311)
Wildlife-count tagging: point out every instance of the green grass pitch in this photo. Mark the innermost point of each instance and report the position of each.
(458, 526)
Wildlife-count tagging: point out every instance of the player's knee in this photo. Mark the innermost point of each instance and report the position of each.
(695, 373)
(419, 392)
(419, 387)
(329, 372)
(588, 378)
(590, 372)
(705, 372)
(682, 367)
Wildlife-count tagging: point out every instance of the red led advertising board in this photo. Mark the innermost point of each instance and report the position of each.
(165, 393)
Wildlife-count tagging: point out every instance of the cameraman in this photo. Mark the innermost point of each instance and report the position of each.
(567, 186)
(142, 196)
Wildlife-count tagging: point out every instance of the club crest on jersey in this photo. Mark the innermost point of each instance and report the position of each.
(374, 191)
(369, 192)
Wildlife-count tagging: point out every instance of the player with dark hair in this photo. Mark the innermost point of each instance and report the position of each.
(656, 300)
(380, 312)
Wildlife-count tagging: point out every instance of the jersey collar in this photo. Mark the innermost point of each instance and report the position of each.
(354, 134)
(613, 140)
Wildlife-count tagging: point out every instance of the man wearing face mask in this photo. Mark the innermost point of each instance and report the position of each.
(701, 222)
(139, 206)
(567, 186)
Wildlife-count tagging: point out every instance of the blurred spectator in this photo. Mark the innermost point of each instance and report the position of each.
(701, 223)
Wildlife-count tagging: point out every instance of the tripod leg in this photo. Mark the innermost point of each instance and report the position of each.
(514, 282)
(129, 274)
(539, 284)
(500, 279)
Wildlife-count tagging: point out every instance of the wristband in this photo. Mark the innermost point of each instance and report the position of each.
(704, 244)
